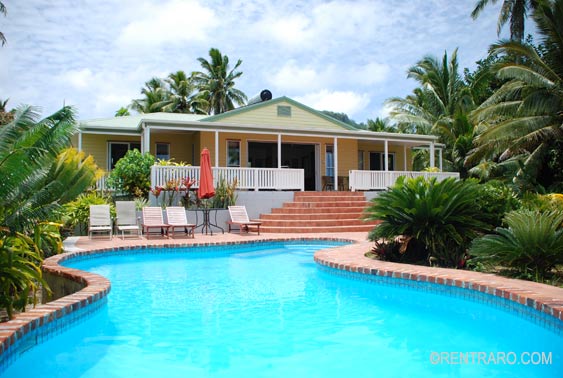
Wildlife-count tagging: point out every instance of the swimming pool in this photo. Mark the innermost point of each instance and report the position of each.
(268, 310)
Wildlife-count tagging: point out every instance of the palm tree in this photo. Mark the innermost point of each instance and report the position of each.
(154, 93)
(217, 82)
(4, 12)
(5, 115)
(122, 112)
(524, 118)
(438, 106)
(181, 96)
(514, 11)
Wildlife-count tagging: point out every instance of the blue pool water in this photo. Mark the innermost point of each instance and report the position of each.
(269, 311)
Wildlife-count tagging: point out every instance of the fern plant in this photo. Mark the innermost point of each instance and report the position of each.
(440, 215)
(531, 246)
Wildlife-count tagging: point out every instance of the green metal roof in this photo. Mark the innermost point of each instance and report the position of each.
(133, 122)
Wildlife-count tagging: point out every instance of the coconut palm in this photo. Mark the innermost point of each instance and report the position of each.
(524, 118)
(181, 96)
(217, 82)
(438, 106)
(154, 93)
(512, 11)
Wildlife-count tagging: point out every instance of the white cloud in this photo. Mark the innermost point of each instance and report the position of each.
(346, 102)
(305, 78)
(79, 79)
(170, 23)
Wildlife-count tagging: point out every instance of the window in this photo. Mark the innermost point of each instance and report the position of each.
(329, 160)
(361, 160)
(163, 151)
(284, 111)
(233, 153)
(117, 150)
(377, 161)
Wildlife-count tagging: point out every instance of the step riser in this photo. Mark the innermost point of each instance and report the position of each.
(329, 199)
(328, 194)
(308, 205)
(295, 230)
(316, 223)
(314, 216)
(317, 210)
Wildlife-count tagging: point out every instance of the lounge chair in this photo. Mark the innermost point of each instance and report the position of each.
(239, 217)
(152, 218)
(100, 220)
(127, 218)
(177, 219)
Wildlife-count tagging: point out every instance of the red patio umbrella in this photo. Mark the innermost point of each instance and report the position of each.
(206, 188)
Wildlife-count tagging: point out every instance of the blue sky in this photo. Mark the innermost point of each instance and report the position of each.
(344, 56)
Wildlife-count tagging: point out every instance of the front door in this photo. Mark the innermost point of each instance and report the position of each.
(301, 156)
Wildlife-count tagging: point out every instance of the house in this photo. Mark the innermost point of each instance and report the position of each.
(274, 144)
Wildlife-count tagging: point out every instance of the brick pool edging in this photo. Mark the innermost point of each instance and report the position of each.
(541, 297)
(96, 288)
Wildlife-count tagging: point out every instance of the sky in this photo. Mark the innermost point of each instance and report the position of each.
(342, 56)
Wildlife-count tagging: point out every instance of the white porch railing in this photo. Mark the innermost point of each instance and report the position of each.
(381, 180)
(247, 178)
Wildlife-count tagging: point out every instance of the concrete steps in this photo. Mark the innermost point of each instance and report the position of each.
(319, 212)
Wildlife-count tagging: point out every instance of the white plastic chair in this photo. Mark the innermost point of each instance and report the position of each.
(100, 220)
(127, 218)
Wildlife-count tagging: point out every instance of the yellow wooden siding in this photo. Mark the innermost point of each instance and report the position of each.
(97, 146)
(180, 146)
(268, 115)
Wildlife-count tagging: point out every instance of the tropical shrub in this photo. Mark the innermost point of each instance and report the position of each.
(530, 246)
(39, 174)
(495, 200)
(132, 174)
(77, 212)
(543, 202)
(440, 216)
(225, 194)
(20, 264)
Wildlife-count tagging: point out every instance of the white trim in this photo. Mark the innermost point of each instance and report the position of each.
(279, 151)
(432, 155)
(216, 148)
(335, 156)
(79, 141)
(386, 156)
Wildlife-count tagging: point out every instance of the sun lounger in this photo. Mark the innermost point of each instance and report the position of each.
(177, 219)
(239, 217)
(152, 218)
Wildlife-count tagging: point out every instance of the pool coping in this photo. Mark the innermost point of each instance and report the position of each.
(351, 258)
